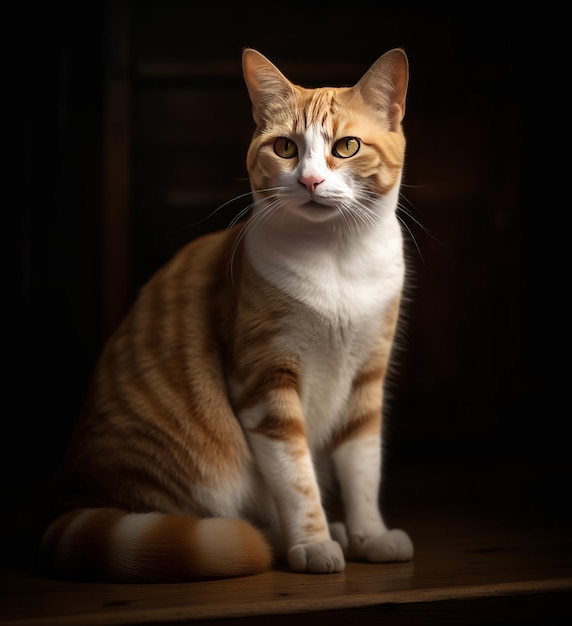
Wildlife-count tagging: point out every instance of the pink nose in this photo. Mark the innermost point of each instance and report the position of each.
(310, 182)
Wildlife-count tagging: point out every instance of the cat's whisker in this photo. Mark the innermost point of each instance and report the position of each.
(407, 211)
(219, 208)
(248, 225)
(362, 212)
(345, 213)
(372, 196)
(401, 210)
(404, 185)
(237, 242)
(240, 215)
(255, 223)
(352, 213)
(244, 211)
(273, 204)
(412, 236)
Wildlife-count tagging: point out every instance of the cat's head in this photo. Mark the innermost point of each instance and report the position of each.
(320, 153)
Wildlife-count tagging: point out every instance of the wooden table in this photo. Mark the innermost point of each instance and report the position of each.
(477, 561)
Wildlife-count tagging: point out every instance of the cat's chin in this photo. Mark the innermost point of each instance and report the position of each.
(317, 212)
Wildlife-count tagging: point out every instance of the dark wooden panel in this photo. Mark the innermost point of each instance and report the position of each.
(189, 159)
(116, 164)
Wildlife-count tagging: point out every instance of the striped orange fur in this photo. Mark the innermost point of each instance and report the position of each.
(243, 392)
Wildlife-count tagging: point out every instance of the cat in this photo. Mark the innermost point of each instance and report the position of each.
(234, 418)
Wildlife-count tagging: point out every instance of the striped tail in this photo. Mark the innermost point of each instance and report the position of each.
(118, 546)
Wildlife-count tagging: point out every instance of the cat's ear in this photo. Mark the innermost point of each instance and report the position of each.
(384, 85)
(265, 83)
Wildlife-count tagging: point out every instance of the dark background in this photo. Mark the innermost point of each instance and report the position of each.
(136, 127)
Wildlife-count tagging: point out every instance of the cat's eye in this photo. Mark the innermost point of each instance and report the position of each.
(285, 148)
(346, 147)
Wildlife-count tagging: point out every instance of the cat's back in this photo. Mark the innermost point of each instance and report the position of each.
(175, 314)
(160, 385)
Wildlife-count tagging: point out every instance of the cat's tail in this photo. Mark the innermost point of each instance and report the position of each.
(117, 546)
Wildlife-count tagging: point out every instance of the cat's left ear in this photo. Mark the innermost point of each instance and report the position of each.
(384, 85)
(266, 85)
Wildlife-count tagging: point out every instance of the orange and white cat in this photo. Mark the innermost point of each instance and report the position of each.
(235, 416)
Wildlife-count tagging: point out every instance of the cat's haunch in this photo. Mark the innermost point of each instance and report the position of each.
(235, 416)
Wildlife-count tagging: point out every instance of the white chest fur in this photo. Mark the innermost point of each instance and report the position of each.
(340, 294)
(341, 274)
(330, 353)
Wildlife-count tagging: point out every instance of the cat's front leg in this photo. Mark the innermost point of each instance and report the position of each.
(358, 463)
(276, 433)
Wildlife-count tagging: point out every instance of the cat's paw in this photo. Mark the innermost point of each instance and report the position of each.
(390, 546)
(325, 557)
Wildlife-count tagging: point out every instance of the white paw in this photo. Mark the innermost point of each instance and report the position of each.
(391, 546)
(317, 558)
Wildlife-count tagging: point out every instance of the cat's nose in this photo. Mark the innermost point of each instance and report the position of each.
(310, 182)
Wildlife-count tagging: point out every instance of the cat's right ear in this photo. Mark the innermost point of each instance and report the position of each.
(266, 85)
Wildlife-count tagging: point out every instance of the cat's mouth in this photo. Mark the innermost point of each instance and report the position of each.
(312, 204)
(317, 211)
